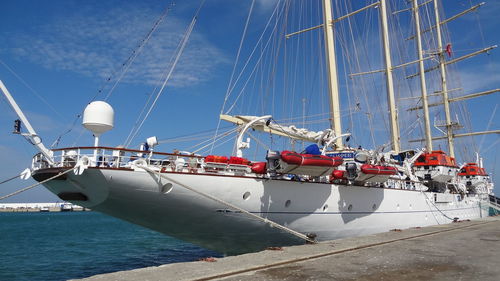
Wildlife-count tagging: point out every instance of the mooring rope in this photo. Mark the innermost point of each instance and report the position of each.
(9, 179)
(267, 221)
(430, 201)
(34, 185)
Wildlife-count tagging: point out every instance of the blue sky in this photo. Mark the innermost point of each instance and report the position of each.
(63, 51)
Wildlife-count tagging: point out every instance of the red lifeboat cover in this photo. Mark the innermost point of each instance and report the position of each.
(378, 170)
(435, 158)
(216, 159)
(338, 175)
(259, 167)
(472, 169)
(238, 160)
(295, 158)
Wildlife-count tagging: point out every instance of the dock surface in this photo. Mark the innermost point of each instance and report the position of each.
(467, 250)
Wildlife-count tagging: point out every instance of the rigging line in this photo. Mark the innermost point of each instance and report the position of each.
(258, 141)
(234, 67)
(259, 60)
(229, 205)
(210, 139)
(202, 133)
(181, 49)
(239, 52)
(31, 89)
(256, 45)
(141, 114)
(114, 72)
(56, 142)
(222, 143)
(186, 139)
(491, 146)
(137, 51)
(127, 63)
(350, 25)
(209, 144)
(489, 125)
(34, 185)
(9, 179)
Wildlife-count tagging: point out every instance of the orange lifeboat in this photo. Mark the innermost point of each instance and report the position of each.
(472, 169)
(436, 166)
(435, 158)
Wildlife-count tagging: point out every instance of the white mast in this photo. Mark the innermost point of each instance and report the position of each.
(332, 73)
(425, 104)
(444, 86)
(395, 138)
(32, 135)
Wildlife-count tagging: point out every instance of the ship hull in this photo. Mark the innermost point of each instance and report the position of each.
(329, 211)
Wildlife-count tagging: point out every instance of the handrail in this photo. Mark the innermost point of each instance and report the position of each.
(123, 149)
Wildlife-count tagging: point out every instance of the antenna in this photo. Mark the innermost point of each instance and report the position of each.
(98, 118)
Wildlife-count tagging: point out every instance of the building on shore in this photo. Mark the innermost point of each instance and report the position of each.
(40, 207)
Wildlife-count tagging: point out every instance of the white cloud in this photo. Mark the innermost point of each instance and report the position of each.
(95, 44)
(266, 4)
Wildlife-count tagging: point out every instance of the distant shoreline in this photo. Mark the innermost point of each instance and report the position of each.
(41, 210)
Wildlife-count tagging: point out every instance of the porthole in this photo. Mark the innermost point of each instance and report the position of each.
(287, 203)
(374, 207)
(325, 208)
(166, 188)
(246, 195)
(350, 207)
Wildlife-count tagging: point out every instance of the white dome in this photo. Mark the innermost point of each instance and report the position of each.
(98, 117)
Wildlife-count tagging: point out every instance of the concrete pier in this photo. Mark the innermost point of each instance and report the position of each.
(468, 250)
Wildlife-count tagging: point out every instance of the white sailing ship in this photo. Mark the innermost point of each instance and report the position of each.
(328, 191)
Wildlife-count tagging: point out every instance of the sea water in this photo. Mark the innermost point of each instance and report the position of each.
(60, 246)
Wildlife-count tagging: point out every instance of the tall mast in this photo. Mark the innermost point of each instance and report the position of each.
(425, 103)
(444, 86)
(395, 138)
(332, 73)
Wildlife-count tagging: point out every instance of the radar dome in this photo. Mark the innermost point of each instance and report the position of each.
(98, 117)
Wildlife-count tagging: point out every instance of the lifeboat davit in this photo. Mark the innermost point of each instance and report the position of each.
(308, 164)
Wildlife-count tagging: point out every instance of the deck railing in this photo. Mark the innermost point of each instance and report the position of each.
(113, 157)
